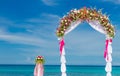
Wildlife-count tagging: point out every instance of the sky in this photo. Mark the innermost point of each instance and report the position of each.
(27, 29)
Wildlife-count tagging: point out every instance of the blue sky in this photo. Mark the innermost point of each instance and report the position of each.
(27, 29)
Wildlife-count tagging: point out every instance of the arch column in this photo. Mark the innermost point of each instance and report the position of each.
(108, 57)
(62, 59)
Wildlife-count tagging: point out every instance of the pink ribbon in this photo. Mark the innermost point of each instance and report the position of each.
(106, 48)
(38, 71)
(62, 43)
(111, 40)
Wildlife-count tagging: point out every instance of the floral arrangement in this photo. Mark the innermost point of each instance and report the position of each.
(85, 14)
(39, 59)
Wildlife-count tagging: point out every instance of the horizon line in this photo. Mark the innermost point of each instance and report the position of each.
(57, 65)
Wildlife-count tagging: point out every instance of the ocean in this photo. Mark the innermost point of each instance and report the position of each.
(54, 70)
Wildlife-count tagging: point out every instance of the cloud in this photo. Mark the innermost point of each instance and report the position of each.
(44, 19)
(21, 39)
(40, 30)
(33, 40)
(5, 21)
(46, 23)
(50, 2)
(6, 35)
(113, 1)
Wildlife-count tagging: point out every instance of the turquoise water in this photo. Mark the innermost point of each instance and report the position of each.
(54, 70)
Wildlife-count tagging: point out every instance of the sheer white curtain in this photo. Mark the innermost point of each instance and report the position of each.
(97, 26)
(72, 26)
(94, 24)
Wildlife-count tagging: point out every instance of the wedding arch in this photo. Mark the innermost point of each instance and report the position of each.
(100, 22)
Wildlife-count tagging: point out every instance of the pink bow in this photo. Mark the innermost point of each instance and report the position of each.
(106, 48)
(62, 43)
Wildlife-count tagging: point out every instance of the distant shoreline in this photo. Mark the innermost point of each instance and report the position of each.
(56, 65)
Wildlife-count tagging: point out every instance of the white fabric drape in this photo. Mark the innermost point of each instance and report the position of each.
(108, 59)
(97, 26)
(94, 24)
(63, 63)
(39, 70)
(72, 26)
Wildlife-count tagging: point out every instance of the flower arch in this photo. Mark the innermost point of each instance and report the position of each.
(96, 20)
